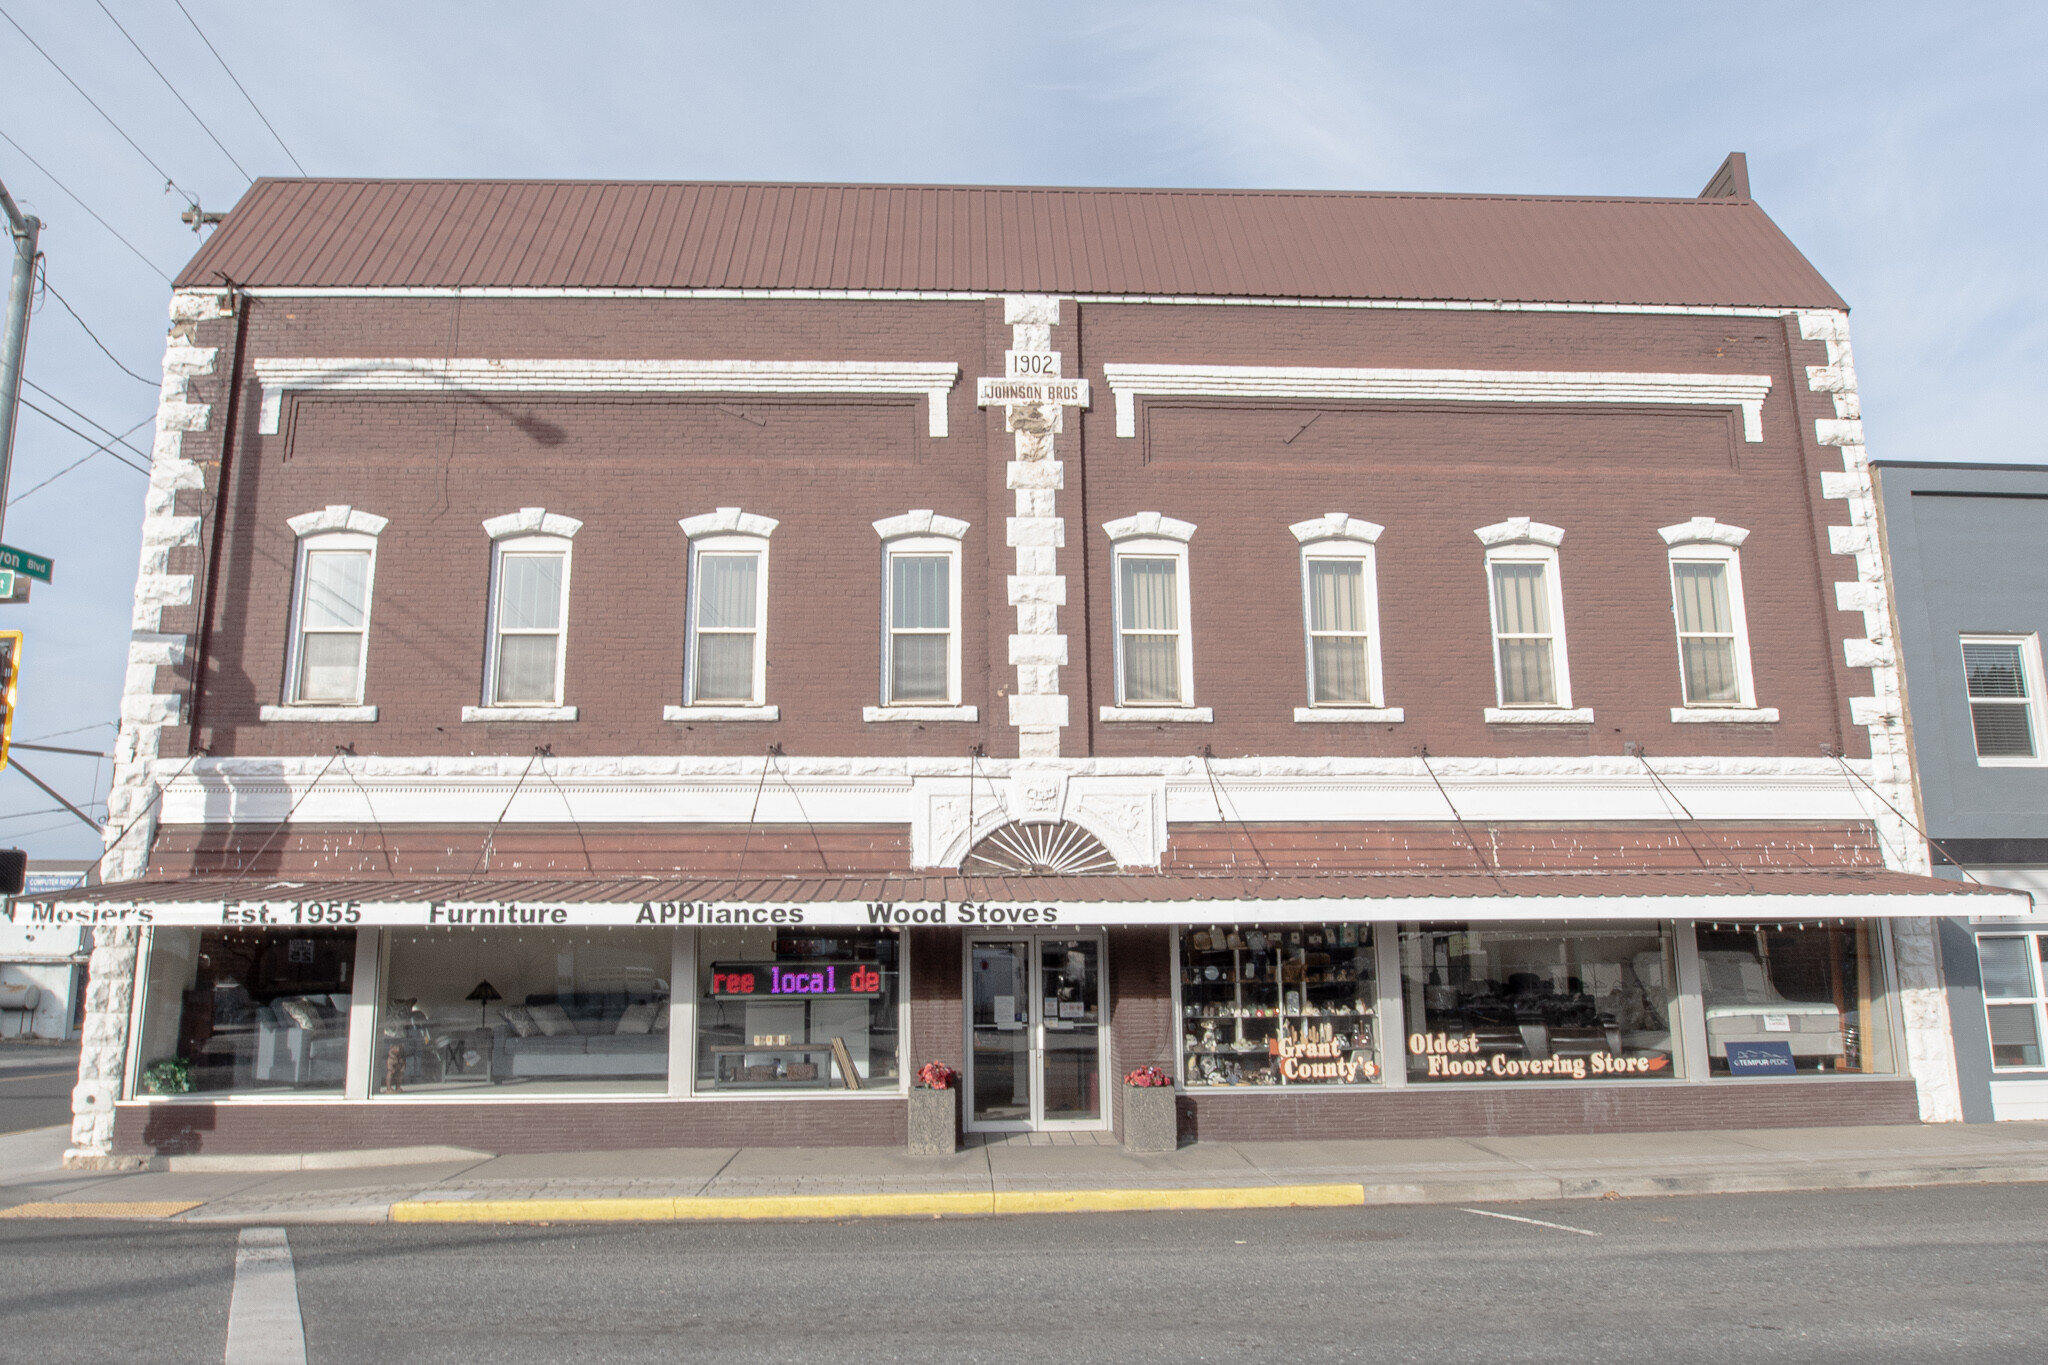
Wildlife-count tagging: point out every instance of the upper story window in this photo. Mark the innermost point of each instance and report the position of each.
(2002, 674)
(1707, 609)
(330, 628)
(529, 612)
(920, 609)
(1526, 600)
(725, 658)
(2013, 968)
(1154, 651)
(1340, 604)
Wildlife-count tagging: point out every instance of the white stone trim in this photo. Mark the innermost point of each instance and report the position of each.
(1131, 382)
(921, 522)
(1929, 1051)
(932, 380)
(689, 788)
(1349, 715)
(532, 521)
(1703, 531)
(504, 714)
(337, 517)
(1539, 715)
(728, 521)
(721, 713)
(1038, 709)
(1153, 715)
(1149, 524)
(1520, 531)
(318, 715)
(1337, 526)
(874, 714)
(1724, 715)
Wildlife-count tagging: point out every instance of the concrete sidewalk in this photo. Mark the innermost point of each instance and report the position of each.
(1013, 1175)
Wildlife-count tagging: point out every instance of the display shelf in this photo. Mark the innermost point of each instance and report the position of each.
(1273, 991)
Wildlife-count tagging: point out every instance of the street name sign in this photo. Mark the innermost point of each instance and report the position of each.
(22, 562)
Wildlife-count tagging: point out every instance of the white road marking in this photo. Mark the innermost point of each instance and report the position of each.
(263, 1315)
(1513, 1218)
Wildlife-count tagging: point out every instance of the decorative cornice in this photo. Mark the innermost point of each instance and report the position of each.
(1520, 531)
(922, 522)
(1131, 382)
(1703, 531)
(1149, 524)
(728, 521)
(393, 374)
(529, 521)
(337, 517)
(1337, 526)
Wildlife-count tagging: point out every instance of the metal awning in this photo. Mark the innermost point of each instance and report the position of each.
(980, 902)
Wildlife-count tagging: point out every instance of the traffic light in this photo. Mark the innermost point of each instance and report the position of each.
(10, 669)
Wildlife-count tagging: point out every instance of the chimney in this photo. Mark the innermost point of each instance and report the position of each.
(1731, 181)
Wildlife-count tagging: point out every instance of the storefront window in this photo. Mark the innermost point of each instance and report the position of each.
(1537, 1002)
(2012, 967)
(797, 1010)
(230, 1011)
(1793, 999)
(1285, 1005)
(525, 1011)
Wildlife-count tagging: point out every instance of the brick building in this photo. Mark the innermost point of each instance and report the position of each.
(653, 664)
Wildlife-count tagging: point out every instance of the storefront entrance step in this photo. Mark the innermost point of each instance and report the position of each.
(319, 1161)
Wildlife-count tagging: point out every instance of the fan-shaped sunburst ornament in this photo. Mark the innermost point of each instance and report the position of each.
(1038, 848)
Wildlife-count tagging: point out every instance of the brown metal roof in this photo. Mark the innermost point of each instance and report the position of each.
(1209, 243)
(1126, 887)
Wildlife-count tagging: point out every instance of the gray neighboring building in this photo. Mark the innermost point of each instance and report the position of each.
(1968, 546)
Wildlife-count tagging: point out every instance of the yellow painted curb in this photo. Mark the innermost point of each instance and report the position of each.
(689, 1209)
(160, 1208)
(1226, 1197)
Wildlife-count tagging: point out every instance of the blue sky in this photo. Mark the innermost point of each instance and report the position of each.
(1898, 145)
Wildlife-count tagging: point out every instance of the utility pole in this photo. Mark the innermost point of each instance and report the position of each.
(22, 233)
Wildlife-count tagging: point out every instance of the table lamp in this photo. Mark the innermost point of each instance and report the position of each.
(484, 994)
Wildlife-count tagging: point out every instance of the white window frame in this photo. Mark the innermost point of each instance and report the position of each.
(1148, 535)
(2035, 703)
(1518, 540)
(344, 528)
(1706, 541)
(2036, 999)
(922, 533)
(527, 531)
(729, 530)
(1342, 537)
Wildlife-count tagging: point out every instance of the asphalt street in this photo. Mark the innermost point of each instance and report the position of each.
(35, 1085)
(1956, 1274)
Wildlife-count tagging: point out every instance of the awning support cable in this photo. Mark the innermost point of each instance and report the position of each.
(739, 873)
(1216, 791)
(1658, 779)
(251, 861)
(1484, 862)
(383, 842)
(824, 863)
(548, 751)
(142, 814)
(483, 855)
(1831, 751)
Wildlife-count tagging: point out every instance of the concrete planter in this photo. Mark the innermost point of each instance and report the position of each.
(934, 1121)
(1151, 1120)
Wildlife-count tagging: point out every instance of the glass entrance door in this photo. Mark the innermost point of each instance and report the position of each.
(1035, 1033)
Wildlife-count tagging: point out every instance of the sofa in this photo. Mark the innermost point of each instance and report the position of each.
(591, 1047)
(302, 1040)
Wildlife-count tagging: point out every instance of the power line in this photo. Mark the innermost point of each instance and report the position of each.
(51, 291)
(104, 431)
(169, 183)
(87, 207)
(107, 446)
(173, 89)
(96, 450)
(231, 76)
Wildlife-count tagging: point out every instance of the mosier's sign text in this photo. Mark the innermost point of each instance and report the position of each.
(794, 980)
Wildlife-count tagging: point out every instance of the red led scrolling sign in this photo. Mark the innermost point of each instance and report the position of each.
(794, 980)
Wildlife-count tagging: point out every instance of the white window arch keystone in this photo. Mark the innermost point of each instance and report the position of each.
(532, 521)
